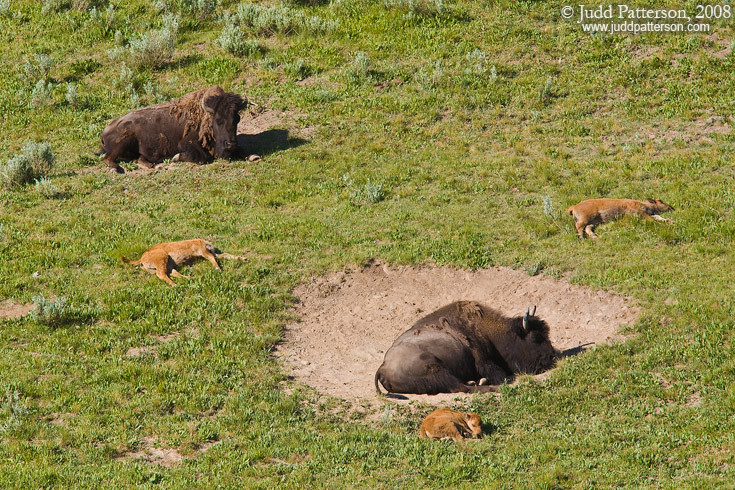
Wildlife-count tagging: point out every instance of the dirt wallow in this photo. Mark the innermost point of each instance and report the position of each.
(348, 319)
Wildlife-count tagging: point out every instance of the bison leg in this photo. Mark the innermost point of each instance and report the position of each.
(161, 274)
(110, 161)
(191, 153)
(589, 230)
(176, 273)
(661, 218)
(210, 257)
(580, 229)
(143, 162)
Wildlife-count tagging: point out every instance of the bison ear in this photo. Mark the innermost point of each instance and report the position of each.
(209, 103)
(653, 201)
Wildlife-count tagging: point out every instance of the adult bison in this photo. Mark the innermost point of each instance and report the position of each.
(450, 349)
(195, 128)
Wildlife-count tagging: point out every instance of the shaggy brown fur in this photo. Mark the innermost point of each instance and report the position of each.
(196, 127)
(445, 423)
(162, 259)
(592, 212)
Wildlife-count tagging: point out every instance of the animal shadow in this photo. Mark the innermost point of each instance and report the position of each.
(267, 142)
(575, 350)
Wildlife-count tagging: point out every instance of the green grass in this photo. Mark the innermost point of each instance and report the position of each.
(499, 117)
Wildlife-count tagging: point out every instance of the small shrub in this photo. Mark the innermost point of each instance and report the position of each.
(134, 99)
(105, 22)
(201, 8)
(119, 38)
(418, 8)
(155, 48)
(535, 268)
(233, 40)
(548, 206)
(373, 192)
(37, 68)
(493, 74)
(53, 6)
(46, 188)
(359, 69)
(370, 193)
(319, 95)
(51, 313)
(545, 93)
(431, 77)
(272, 20)
(551, 213)
(33, 161)
(316, 24)
(297, 70)
(476, 63)
(71, 95)
(125, 79)
(13, 410)
(42, 94)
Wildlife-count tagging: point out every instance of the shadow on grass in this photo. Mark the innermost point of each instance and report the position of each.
(575, 350)
(267, 142)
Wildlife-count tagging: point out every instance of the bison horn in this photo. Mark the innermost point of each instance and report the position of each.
(525, 317)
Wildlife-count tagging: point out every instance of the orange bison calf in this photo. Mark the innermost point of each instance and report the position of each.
(445, 423)
(162, 259)
(592, 212)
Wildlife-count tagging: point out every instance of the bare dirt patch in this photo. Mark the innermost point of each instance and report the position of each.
(350, 318)
(155, 455)
(10, 309)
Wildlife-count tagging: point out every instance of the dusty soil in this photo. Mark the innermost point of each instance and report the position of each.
(9, 309)
(350, 318)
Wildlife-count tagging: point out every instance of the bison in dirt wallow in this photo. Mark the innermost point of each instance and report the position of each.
(197, 127)
(465, 347)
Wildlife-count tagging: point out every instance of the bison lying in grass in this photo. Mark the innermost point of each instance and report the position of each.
(197, 127)
(449, 350)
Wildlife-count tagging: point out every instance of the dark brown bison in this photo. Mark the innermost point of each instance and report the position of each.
(449, 350)
(197, 127)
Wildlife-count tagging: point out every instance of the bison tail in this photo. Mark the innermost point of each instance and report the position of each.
(130, 262)
(571, 210)
(377, 383)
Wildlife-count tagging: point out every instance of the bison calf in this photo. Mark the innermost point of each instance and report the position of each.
(462, 342)
(592, 212)
(197, 127)
(164, 258)
(445, 423)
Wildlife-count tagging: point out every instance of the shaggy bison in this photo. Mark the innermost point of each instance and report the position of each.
(450, 349)
(195, 128)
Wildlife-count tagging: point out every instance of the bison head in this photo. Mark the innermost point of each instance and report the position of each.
(224, 108)
(536, 354)
(659, 206)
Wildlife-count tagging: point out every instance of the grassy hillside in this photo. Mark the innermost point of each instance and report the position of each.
(454, 133)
